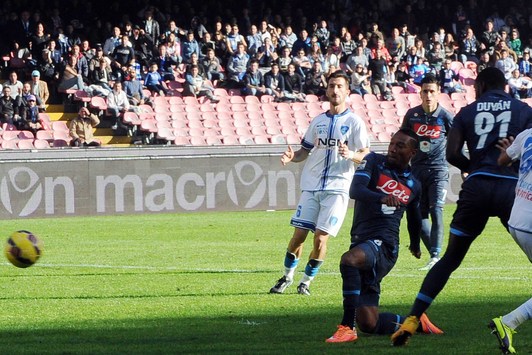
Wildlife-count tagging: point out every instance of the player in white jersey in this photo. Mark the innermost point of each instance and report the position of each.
(520, 226)
(334, 141)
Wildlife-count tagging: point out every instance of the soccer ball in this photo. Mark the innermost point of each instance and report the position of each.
(23, 248)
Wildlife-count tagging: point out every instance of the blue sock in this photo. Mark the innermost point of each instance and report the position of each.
(388, 323)
(351, 284)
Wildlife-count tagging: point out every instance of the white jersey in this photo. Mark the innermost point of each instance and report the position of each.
(325, 169)
(521, 149)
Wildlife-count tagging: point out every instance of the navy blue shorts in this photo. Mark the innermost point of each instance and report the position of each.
(433, 187)
(482, 197)
(380, 258)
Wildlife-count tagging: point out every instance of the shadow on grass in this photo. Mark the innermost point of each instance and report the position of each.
(294, 330)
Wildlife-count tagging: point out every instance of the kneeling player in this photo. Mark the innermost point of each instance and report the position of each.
(384, 188)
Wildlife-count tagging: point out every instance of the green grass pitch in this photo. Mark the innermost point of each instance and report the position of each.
(198, 284)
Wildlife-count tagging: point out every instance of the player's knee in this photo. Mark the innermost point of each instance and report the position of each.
(367, 325)
(354, 257)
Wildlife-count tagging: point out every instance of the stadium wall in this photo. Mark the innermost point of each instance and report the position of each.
(55, 183)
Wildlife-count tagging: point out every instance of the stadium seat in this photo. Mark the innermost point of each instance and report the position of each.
(181, 141)
(26, 135)
(246, 140)
(98, 103)
(82, 96)
(59, 126)
(387, 104)
(62, 135)
(278, 139)
(46, 135)
(10, 135)
(266, 99)
(252, 107)
(131, 118)
(397, 90)
(11, 144)
(262, 139)
(41, 144)
(293, 139)
(25, 144)
(175, 100)
(237, 100)
(325, 105)
(238, 107)
(230, 140)
(45, 120)
(243, 131)
(384, 137)
(149, 125)
(165, 134)
(456, 66)
(312, 98)
(213, 140)
(198, 141)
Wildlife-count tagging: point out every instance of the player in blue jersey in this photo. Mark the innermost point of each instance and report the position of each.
(489, 189)
(520, 226)
(337, 140)
(384, 187)
(431, 122)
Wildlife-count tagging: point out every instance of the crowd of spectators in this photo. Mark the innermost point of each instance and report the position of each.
(284, 49)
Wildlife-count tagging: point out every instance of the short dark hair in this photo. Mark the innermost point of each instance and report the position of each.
(410, 132)
(430, 79)
(340, 74)
(492, 78)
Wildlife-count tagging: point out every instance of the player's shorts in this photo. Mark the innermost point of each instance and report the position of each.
(482, 197)
(380, 259)
(323, 210)
(524, 240)
(434, 186)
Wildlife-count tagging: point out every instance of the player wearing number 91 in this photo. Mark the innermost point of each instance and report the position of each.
(489, 189)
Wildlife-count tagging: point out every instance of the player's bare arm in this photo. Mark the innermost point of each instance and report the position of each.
(503, 144)
(290, 156)
(356, 156)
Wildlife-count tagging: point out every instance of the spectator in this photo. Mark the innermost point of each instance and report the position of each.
(359, 81)
(213, 68)
(420, 48)
(520, 87)
(117, 104)
(166, 65)
(470, 47)
(284, 60)
(30, 116)
(506, 64)
(154, 81)
(355, 59)
(122, 55)
(237, 65)
(220, 46)
(38, 40)
(133, 88)
(436, 57)
(411, 57)
(14, 84)
(266, 55)
(485, 61)
(302, 62)
(525, 67)
(112, 42)
(293, 84)
(189, 46)
(151, 26)
(402, 76)
(451, 47)
(382, 49)
(322, 32)
(254, 40)
(142, 45)
(288, 37)
(302, 43)
(197, 28)
(274, 83)
(81, 129)
(196, 86)
(71, 79)
(102, 75)
(253, 80)
(396, 45)
(24, 95)
(234, 38)
(206, 44)
(378, 68)
(419, 70)
(490, 36)
(348, 46)
(449, 79)
(330, 60)
(9, 107)
(515, 43)
(315, 82)
(82, 66)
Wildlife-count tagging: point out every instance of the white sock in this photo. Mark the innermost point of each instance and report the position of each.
(306, 279)
(289, 272)
(516, 317)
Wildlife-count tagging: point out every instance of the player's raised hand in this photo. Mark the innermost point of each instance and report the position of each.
(288, 155)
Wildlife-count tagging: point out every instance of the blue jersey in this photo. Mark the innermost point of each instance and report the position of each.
(374, 220)
(432, 129)
(493, 116)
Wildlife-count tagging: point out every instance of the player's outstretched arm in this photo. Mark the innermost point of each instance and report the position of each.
(297, 156)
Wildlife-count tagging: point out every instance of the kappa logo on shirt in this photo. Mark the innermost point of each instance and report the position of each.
(392, 187)
(424, 130)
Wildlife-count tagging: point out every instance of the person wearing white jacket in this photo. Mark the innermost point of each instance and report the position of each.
(117, 104)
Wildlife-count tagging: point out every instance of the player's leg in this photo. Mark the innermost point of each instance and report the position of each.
(504, 327)
(351, 264)
(332, 210)
(436, 194)
(472, 213)
(303, 221)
